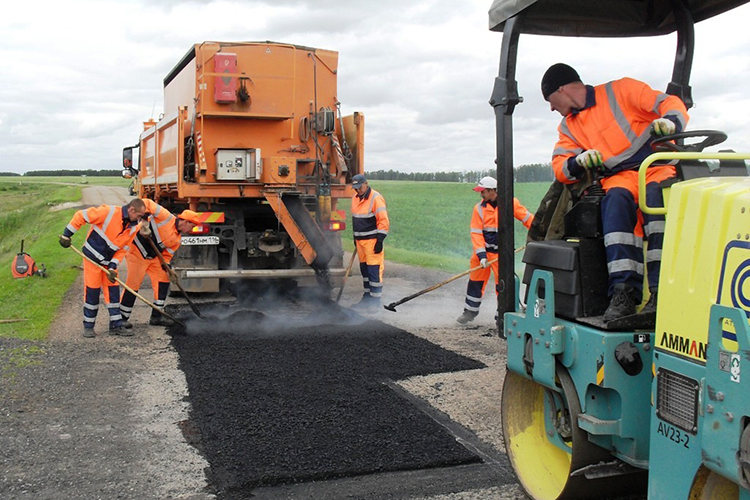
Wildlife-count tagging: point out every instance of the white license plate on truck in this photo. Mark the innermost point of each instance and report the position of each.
(200, 240)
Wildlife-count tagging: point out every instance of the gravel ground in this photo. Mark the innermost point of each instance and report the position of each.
(106, 417)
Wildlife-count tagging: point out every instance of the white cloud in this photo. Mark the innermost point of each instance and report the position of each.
(80, 76)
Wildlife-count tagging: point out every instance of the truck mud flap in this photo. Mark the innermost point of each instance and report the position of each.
(302, 228)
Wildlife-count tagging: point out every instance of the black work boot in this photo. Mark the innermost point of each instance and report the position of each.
(650, 306)
(466, 317)
(127, 324)
(121, 331)
(622, 303)
(158, 319)
(88, 333)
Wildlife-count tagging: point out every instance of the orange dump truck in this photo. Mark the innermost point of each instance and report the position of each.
(252, 138)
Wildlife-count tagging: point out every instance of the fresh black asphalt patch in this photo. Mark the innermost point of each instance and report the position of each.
(272, 405)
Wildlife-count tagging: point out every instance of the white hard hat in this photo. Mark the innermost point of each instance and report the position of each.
(486, 183)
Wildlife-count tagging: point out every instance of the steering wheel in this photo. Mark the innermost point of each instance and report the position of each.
(712, 138)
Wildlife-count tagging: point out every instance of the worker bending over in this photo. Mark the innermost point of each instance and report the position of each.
(610, 128)
(112, 229)
(370, 227)
(484, 221)
(164, 231)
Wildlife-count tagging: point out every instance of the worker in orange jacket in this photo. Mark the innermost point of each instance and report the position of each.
(610, 128)
(484, 221)
(164, 230)
(111, 231)
(370, 227)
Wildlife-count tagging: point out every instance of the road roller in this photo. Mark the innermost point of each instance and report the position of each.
(653, 405)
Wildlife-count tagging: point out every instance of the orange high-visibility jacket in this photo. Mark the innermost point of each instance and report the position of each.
(369, 216)
(616, 122)
(109, 236)
(484, 225)
(164, 233)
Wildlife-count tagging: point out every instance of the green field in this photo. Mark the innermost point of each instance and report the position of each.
(429, 228)
(430, 221)
(26, 213)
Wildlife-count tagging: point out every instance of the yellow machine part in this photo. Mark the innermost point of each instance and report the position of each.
(548, 465)
(709, 485)
(703, 262)
(542, 467)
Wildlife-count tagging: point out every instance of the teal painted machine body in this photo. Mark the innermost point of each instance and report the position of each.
(620, 411)
(723, 401)
(614, 405)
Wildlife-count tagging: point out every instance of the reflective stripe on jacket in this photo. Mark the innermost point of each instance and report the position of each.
(616, 121)
(484, 225)
(369, 216)
(109, 236)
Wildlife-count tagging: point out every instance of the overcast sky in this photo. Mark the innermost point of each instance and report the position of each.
(79, 76)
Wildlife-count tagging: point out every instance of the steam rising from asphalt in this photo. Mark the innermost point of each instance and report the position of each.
(266, 311)
(274, 310)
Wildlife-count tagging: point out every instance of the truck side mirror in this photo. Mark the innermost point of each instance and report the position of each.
(127, 163)
(127, 158)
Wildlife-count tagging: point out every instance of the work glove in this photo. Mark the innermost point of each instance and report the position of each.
(590, 159)
(112, 275)
(483, 263)
(663, 126)
(171, 273)
(144, 228)
(378, 246)
(64, 241)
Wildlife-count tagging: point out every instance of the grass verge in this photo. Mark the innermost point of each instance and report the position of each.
(27, 213)
(430, 221)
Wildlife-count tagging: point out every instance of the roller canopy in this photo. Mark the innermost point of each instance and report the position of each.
(601, 18)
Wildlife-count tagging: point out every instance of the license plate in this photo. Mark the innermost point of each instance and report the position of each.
(200, 240)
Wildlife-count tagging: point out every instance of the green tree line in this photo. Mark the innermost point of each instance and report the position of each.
(536, 172)
(73, 173)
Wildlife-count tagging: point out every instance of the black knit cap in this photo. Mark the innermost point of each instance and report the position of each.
(556, 76)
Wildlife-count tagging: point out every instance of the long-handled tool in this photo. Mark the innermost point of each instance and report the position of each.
(392, 305)
(171, 272)
(346, 275)
(126, 287)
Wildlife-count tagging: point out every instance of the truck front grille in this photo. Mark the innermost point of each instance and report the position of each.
(677, 400)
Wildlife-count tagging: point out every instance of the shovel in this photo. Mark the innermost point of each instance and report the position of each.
(126, 287)
(392, 305)
(346, 275)
(171, 272)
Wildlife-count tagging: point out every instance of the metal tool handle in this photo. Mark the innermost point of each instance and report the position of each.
(391, 306)
(171, 272)
(126, 287)
(346, 275)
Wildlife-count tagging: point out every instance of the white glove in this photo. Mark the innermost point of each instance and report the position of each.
(663, 126)
(590, 159)
(483, 263)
